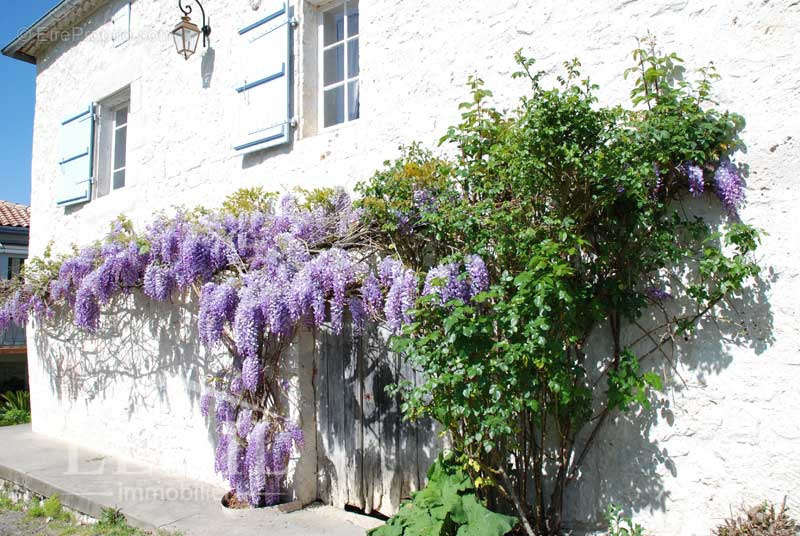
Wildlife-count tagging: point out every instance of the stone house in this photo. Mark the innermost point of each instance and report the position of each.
(319, 93)
(14, 229)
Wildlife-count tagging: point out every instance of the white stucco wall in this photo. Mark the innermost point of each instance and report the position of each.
(729, 436)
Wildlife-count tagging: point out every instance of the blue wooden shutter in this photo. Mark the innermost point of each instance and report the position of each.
(265, 88)
(77, 144)
(121, 25)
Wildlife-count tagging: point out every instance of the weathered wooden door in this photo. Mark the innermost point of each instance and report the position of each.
(368, 457)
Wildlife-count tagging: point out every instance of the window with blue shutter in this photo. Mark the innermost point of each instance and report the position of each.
(76, 150)
(265, 88)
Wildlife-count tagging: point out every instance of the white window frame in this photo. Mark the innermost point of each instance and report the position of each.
(105, 142)
(322, 48)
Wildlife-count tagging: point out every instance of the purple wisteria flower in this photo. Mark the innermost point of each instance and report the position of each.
(400, 299)
(244, 422)
(729, 186)
(371, 295)
(159, 282)
(87, 308)
(446, 281)
(478, 275)
(221, 454)
(225, 411)
(205, 403)
(696, 181)
(256, 461)
(248, 323)
(388, 269)
(251, 373)
(237, 386)
(424, 200)
(657, 294)
(217, 306)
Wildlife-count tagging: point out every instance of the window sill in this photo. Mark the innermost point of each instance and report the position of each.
(110, 195)
(335, 128)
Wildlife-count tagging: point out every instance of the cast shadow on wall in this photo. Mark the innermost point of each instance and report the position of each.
(628, 465)
(140, 344)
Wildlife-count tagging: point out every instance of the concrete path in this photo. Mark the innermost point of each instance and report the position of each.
(87, 481)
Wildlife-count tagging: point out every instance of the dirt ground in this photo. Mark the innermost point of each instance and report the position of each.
(17, 524)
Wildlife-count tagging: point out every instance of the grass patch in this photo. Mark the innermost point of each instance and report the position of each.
(7, 505)
(50, 519)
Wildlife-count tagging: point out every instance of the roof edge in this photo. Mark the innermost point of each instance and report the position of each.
(14, 229)
(57, 13)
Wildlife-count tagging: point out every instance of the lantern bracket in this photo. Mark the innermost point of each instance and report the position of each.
(187, 10)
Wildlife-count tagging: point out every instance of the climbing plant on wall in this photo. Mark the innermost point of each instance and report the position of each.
(258, 270)
(593, 224)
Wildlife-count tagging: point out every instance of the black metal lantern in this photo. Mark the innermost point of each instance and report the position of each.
(186, 33)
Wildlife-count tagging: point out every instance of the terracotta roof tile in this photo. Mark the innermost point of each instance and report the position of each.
(14, 215)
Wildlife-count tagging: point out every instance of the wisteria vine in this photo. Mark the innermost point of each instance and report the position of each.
(257, 277)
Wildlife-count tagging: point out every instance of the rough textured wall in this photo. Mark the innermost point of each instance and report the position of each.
(728, 436)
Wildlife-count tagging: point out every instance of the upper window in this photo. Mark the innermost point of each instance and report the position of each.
(112, 138)
(339, 61)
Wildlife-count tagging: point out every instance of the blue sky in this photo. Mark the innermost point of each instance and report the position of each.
(17, 79)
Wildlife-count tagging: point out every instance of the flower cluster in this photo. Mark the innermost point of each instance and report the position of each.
(257, 277)
(450, 282)
(695, 175)
(657, 294)
(729, 186)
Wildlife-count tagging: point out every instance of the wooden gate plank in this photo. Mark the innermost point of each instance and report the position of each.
(368, 457)
(372, 404)
(352, 401)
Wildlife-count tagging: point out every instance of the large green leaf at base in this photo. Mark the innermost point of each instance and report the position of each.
(447, 506)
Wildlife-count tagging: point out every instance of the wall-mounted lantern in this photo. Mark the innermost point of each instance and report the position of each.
(186, 33)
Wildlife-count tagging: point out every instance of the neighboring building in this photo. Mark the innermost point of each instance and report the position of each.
(317, 93)
(14, 228)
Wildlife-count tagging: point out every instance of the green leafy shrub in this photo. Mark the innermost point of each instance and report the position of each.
(16, 400)
(36, 510)
(761, 520)
(52, 508)
(620, 524)
(447, 506)
(590, 219)
(7, 504)
(14, 417)
(111, 517)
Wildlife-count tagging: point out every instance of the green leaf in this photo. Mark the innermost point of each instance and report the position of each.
(483, 522)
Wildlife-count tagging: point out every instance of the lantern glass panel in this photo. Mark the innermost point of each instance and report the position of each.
(186, 35)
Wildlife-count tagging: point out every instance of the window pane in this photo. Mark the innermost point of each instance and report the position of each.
(352, 18)
(334, 106)
(120, 139)
(353, 104)
(334, 65)
(119, 179)
(352, 58)
(121, 116)
(333, 25)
